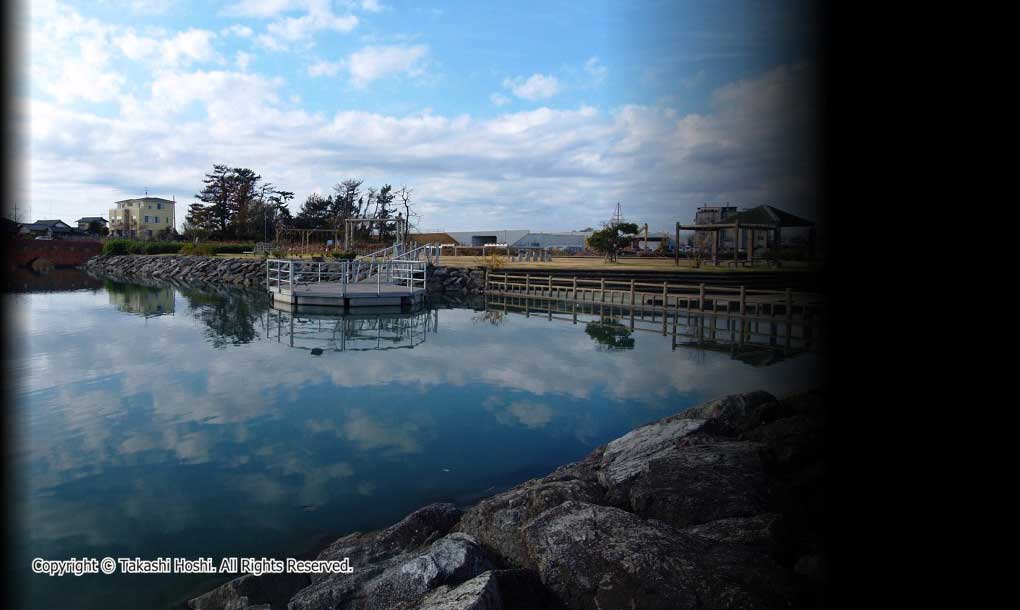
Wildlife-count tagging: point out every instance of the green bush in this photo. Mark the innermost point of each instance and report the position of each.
(344, 256)
(116, 247)
(134, 246)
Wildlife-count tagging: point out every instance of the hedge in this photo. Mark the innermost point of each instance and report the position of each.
(134, 246)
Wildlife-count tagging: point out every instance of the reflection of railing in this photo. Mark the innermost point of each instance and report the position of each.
(352, 332)
(756, 340)
(338, 277)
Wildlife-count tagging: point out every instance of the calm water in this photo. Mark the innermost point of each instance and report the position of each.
(161, 421)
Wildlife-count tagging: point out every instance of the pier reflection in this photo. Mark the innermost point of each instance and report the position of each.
(360, 331)
(758, 341)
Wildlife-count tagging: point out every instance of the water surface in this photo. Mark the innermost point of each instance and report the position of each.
(154, 421)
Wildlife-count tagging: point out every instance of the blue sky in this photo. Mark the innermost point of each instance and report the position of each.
(526, 115)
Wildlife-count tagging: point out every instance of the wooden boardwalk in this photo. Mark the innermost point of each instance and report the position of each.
(665, 297)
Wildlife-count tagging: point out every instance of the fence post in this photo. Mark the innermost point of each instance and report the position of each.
(550, 287)
(632, 293)
(527, 284)
(602, 290)
(573, 289)
(665, 299)
(701, 296)
(789, 305)
(742, 300)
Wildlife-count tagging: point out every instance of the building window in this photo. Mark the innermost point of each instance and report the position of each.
(146, 219)
(159, 206)
(155, 220)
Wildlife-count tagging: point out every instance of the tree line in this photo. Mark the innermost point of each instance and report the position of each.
(235, 203)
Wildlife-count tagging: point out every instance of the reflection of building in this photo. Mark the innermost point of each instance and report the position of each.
(144, 300)
(142, 217)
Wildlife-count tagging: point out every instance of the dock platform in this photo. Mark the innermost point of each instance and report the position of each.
(347, 284)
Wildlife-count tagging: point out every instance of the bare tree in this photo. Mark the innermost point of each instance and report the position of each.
(405, 199)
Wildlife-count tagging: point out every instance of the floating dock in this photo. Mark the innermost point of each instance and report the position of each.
(347, 284)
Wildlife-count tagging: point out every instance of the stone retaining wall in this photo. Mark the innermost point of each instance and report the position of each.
(252, 272)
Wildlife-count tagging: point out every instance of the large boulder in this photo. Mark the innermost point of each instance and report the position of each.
(399, 581)
(594, 556)
(479, 593)
(248, 591)
(497, 522)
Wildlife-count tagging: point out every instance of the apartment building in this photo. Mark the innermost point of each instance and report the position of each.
(143, 217)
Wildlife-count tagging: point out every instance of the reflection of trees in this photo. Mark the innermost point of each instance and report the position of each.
(229, 313)
(610, 335)
(489, 316)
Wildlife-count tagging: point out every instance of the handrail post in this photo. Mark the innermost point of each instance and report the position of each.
(701, 296)
(378, 282)
(632, 293)
(573, 289)
(602, 290)
(742, 301)
(789, 305)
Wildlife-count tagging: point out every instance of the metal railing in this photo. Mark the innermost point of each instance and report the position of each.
(284, 275)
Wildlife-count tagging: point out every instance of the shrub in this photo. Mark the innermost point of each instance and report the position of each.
(199, 250)
(134, 246)
(116, 247)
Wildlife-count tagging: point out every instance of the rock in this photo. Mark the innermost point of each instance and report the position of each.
(812, 567)
(702, 479)
(497, 522)
(479, 593)
(398, 581)
(763, 530)
(248, 591)
(626, 457)
(736, 413)
(603, 557)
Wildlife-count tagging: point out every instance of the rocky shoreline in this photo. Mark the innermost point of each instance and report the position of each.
(719, 506)
(250, 272)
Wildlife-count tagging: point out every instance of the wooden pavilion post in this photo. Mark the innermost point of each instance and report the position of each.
(736, 242)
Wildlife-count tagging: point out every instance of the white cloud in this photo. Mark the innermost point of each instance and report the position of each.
(596, 70)
(261, 8)
(137, 47)
(535, 87)
(371, 6)
(374, 62)
(243, 60)
(300, 28)
(193, 45)
(325, 68)
(241, 31)
(498, 99)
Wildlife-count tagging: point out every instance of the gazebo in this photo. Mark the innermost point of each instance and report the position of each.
(764, 219)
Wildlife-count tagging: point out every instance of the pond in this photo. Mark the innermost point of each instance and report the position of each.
(191, 421)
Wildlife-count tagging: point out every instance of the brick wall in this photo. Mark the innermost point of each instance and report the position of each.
(60, 252)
